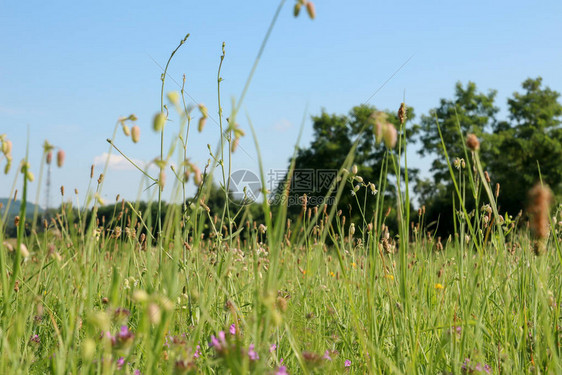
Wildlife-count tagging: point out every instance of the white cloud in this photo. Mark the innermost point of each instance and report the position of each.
(117, 162)
(282, 125)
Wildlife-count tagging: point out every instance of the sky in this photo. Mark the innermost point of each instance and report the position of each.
(69, 70)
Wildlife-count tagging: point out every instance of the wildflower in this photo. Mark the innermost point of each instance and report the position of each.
(439, 286)
(272, 348)
(471, 368)
(457, 163)
(254, 356)
(347, 363)
(352, 229)
(197, 353)
(120, 362)
(326, 356)
(218, 343)
(232, 329)
(389, 276)
(60, 158)
(35, 339)
(135, 134)
(472, 142)
(373, 188)
(354, 169)
(281, 370)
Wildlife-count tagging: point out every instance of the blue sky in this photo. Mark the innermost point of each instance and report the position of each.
(69, 70)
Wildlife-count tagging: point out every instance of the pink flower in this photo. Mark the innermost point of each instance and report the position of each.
(254, 356)
(326, 356)
(120, 362)
(232, 329)
(281, 370)
(347, 363)
(197, 353)
(272, 348)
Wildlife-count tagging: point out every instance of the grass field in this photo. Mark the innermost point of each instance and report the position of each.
(221, 292)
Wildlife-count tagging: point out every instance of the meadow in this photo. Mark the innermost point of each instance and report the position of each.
(190, 289)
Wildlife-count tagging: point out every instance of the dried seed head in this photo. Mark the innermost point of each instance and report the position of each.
(49, 157)
(135, 134)
(402, 113)
(472, 142)
(60, 158)
(540, 199)
(487, 176)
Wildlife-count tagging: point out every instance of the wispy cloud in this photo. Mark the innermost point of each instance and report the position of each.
(117, 162)
(282, 125)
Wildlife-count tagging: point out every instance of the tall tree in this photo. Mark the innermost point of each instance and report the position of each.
(532, 138)
(334, 136)
(472, 111)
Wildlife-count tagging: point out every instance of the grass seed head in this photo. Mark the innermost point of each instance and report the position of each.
(135, 134)
(390, 135)
(540, 199)
(310, 9)
(60, 158)
(472, 142)
(159, 121)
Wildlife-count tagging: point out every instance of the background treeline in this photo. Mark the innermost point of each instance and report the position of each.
(516, 150)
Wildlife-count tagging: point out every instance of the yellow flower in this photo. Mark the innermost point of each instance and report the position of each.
(439, 286)
(332, 274)
(389, 276)
(353, 265)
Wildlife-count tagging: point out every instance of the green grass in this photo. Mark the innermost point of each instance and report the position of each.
(316, 295)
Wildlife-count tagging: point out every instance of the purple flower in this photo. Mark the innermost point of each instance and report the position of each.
(347, 363)
(469, 368)
(281, 370)
(120, 362)
(232, 329)
(327, 357)
(254, 356)
(35, 339)
(197, 353)
(272, 348)
(137, 372)
(219, 343)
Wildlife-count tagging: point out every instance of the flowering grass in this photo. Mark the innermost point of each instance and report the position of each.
(199, 291)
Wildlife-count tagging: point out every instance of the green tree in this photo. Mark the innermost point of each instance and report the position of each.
(471, 111)
(532, 138)
(334, 136)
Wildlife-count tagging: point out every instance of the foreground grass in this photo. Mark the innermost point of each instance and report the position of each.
(107, 303)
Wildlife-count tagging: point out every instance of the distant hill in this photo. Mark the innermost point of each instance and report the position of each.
(15, 207)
